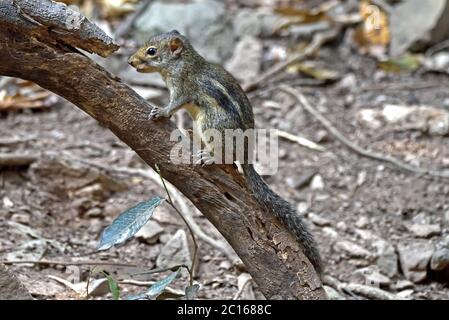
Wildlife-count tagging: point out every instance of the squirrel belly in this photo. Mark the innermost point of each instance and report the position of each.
(284, 211)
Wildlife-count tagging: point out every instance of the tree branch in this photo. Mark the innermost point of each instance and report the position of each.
(37, 44)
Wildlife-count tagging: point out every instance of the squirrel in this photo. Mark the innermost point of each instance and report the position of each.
(214, 100)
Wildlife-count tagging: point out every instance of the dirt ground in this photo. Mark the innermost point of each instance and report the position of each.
(58, 206)
(42, 198)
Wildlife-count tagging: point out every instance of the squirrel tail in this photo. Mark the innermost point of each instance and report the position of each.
(283, 210)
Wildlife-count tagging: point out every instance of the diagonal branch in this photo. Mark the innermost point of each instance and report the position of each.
(45, 54)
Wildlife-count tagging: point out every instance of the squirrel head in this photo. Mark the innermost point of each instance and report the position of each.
(161, 53)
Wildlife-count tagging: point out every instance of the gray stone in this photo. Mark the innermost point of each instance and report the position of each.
(372, 277)
(353, 250)
(362, 222)
(319, 221)
(403, 285)
(440, 259)
(424, 230)
(317, 183)
(150, 232)
(416, 22)
(175, 252)
(387, 259)
(204, 22)
(246, 61)
(30, 250)
(257, 23)
(414, 258)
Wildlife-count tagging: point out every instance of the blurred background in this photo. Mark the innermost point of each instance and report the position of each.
(381, 78)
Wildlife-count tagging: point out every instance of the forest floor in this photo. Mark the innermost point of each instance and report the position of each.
(354, 200)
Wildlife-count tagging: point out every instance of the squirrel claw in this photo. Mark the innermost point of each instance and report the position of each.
(157, 112)
(203, 157)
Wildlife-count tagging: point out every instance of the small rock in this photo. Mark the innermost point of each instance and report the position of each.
(347, 83)
(298, 182)
(175, 252)
(362, 223)
(319, 221)
(387, 259)
(353, 250)
(342, 226)
(440, 259)
(429, 24)
(31, 250)
(150, 232)
(204, 22)
(164, 238)
(317, 183)
(7, 203)
(330, 232)
(369, 118)
(424, 230)
(22, 218)
(226, 265)
(414, 259)
(366, 235)
(302, 207)
(246, 60)
(403, 285)
(405, 294)
(372, 277)
(94, 213)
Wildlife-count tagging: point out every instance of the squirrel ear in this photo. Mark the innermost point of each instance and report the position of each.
(176, 45)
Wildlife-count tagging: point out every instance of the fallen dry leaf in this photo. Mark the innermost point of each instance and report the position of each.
(373, 34)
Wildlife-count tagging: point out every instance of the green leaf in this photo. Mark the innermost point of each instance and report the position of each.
(113, 287)
(192, 291)
(157, 288)
(408, 62)
(128, 223)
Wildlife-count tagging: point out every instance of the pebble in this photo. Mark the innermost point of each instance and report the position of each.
(414, 259)
(372, 277)
(362, 223)
(174, 252)
(424, 230)
(440, 259)
(319, 221)
(353, 250)
(317, 183)
(387, 259)
(403, 285)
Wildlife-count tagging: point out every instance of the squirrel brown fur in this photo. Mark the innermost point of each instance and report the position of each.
(214, 100)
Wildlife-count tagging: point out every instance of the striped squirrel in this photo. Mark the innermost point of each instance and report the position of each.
(214, 100)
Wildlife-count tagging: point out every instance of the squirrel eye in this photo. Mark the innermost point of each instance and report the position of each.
(151, 51)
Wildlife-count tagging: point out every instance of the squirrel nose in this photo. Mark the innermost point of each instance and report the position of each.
(132, 61)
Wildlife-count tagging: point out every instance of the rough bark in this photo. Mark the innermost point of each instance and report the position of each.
(36, 44)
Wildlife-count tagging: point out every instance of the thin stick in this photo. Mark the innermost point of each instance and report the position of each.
(149, 283)
(72, 263)
(318, 40)
(195, 244)
(356, 148)
(300, 140)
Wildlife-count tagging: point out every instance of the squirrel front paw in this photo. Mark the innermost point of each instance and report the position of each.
(158, 112)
